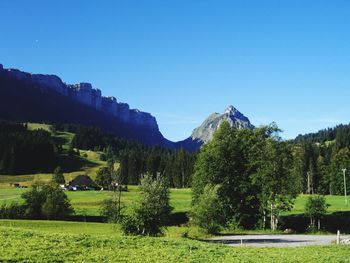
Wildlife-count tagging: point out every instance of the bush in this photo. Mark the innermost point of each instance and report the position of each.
(131, 225)
(110, 210)
(12, 211)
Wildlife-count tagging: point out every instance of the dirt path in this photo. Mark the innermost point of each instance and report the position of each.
(263, 240)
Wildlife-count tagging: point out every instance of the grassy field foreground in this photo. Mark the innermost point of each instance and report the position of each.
(50, 241)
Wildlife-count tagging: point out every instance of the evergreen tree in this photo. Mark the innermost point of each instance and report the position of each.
(58, 176)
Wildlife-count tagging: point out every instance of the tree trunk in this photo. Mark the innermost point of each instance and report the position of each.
(274, 220)
(319, 224)
(271, 218)
(312, 222)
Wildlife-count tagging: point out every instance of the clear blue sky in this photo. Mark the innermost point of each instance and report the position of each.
(283, 61)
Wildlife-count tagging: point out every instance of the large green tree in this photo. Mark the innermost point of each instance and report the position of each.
(253, 169)
(225, 161)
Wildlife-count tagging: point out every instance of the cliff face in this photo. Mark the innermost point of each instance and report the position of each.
(85, 94)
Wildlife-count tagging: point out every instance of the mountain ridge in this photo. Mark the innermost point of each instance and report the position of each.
(40, 97)
(84, 93)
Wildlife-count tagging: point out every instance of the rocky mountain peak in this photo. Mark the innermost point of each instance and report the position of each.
(230, 110)
(234, 117)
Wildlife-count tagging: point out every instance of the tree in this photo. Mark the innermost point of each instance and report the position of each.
(104, 177)
(56, 205)
(206, 212)
(316, 208)
(226, 161)
(277, 184)
(253, 168)
(46, 201)
(153, 209)
(111, 179)
(58, 176)
(340, 160)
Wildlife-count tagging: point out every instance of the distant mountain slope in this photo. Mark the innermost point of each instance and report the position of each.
(204, 133)
(45, 98)
(339, 133)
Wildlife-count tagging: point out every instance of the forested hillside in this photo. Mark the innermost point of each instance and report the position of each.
(136, 159)
(320, 157)
(24, 151)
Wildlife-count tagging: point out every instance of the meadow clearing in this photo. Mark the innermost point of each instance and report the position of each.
(88, 202)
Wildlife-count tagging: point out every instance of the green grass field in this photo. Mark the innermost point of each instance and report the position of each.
(337, 204)
(50, 241)
(88, 202)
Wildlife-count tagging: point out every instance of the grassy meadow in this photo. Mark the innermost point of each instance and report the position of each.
(50, 241)
(88, 202)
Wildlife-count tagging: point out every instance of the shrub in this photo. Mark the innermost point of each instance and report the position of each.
(110, 210)
(131, 225)
(12, 211)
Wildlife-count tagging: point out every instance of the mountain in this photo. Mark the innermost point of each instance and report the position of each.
(30, 97)
(204, 133)
(46, 98)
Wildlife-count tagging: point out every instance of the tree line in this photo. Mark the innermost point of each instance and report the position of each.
(320, 158)
(24, 151)
(135, 158)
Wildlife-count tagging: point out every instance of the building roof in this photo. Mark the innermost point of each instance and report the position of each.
(83, 180)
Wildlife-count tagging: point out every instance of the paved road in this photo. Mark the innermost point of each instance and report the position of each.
(263, 240)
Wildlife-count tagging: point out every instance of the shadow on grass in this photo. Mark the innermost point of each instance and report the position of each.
(72, 163)
(178, 218)
(59, 140)
(255, 241)
(330, 223)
